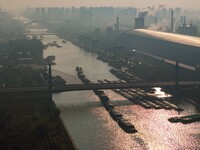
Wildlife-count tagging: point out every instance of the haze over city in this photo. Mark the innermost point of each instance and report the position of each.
(99, 74)
(13, 5)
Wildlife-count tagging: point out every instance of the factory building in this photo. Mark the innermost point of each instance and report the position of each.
(185, 49)
(187, 29)
(139, 23)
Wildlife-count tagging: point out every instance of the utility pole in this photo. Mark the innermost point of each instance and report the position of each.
(177, 81)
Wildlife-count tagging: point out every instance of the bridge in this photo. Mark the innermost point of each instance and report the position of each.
(42, 21)
(97, 86)
(36, 34)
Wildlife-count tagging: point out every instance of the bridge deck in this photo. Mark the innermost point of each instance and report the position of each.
(39, 33)
(96, 86)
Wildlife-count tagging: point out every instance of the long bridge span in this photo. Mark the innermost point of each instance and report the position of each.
(36, 34)
(97, 86)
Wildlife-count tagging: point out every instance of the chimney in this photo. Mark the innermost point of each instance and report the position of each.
(172, 21)
(139, 23)
(184, 21)
(117, 24)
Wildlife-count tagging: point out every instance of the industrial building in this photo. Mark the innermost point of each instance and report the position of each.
(187, 29)
(139, 23)
(185, 49)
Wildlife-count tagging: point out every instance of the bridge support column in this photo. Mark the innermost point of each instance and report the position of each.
(50, 83)
(177, 81)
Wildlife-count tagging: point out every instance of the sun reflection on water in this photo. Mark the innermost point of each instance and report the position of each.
(159, 93)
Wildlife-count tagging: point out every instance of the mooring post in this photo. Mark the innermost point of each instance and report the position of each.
(177, 81)
(50, 83)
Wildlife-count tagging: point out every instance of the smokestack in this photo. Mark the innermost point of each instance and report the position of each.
(172, 21)
(139, 23)
(117, 24)
(184, 21)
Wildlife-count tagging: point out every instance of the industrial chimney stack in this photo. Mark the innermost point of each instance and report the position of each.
(117, 24)
(184, 22)
(172, 21)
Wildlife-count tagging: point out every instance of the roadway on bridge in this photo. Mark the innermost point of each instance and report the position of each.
(97, 86)
(39, 33)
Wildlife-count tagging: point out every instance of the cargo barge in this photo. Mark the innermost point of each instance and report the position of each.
(185, 119)
(115, 114)
(108, 105)
(127, 126)
(141, 97)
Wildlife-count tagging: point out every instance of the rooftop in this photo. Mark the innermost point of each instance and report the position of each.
(172, 37)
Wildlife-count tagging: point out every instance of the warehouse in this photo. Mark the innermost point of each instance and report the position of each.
(185, 49)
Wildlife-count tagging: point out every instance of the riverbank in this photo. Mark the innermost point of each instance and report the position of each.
(30, 121)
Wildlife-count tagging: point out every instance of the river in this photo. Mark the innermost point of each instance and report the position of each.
(91, 127)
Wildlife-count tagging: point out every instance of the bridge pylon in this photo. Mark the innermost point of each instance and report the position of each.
(50, 83)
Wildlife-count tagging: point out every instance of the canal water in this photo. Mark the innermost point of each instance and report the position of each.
(90, 125)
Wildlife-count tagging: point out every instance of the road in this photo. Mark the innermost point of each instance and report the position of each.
(167, 60)
(96, 86)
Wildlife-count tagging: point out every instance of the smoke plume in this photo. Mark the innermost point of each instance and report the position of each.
(149, 11)
(163, 25)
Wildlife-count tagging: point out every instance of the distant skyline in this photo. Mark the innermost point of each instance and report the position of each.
(12, 4)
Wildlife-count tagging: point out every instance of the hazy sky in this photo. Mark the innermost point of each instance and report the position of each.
(117, 3)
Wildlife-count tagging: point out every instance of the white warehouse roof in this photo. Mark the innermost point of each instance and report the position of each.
(172, 37)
